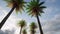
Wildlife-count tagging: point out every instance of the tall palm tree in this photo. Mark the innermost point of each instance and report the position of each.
(35, 8)
(32, 28)
(14, 4)
(24, 31)
(21, 24)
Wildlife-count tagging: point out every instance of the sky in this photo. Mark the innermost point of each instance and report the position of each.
(50, 20)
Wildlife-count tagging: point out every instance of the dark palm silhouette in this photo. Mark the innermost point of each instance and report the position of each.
(14, 4)
(24, 31)
(32, 28)
(22, 24)
(35, 8)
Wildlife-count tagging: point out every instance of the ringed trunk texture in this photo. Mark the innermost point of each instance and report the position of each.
(40, 27)
(20, 30)
(6, 17)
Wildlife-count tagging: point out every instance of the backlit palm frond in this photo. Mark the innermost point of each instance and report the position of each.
(10, 4)
(20, 7)
(20, 4)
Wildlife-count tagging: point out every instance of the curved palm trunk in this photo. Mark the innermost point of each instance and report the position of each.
(6, 17)
(20, 30)
(40, 27)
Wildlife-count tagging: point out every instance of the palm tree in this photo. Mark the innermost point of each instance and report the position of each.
(14, 4)
(32, 28)
(35, 8)
(24, 31)
(21, 24)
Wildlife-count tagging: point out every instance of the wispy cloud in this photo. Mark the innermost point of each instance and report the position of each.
(52, 26)
(51, 1)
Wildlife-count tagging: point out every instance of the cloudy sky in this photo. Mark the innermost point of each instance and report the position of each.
(50, 20)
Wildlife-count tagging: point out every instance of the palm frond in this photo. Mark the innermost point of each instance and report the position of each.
(41, 3)
(42, 6)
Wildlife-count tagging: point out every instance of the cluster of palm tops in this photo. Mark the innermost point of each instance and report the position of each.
(34, 8)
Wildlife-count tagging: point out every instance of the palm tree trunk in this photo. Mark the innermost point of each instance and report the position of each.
(20, 30)
(6, 17)
(40, 27)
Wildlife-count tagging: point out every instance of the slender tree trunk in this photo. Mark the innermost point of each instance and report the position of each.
(20, 30)
(6, 17)
(40, 27)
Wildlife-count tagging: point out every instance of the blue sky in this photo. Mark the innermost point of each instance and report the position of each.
(50, 20)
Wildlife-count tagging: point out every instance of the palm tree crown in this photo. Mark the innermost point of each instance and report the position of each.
(35, 8)
(22, 23)
(20, 4)
(33, 27)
